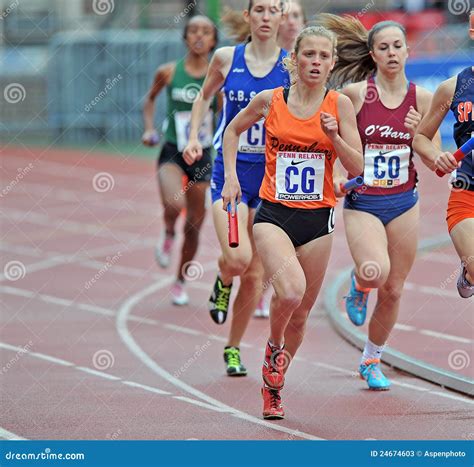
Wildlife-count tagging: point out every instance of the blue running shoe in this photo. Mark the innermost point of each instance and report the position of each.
(370, 371)
(356, 303)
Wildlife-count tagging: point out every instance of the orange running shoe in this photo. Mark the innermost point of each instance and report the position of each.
(272, 408)
(275, 362)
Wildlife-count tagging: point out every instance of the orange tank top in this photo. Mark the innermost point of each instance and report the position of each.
(299, 157)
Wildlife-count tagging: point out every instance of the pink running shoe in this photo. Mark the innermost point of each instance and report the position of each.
(163, 250)
(178, 294)
(262, 310)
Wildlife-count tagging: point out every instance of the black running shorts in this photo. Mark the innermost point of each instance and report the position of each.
(301, 225)
(200, 171)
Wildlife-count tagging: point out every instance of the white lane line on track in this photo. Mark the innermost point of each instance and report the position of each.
(190, 331)
(48, 358)
(106, 312)
(79, 259)
(146, 388)
(8, 435)
(97, 230)
(131, 344)
(212, 405)
(404, 327)
(200, 404)
(445, 336)
(72, 196)
(101, 374)
(430, 290)
(76, 172)
(396, 383)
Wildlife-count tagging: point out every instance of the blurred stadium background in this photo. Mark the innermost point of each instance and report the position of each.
(75, 72)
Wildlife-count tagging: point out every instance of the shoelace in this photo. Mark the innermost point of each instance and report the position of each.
(275, 399)
(361, 299)
(233, 357)
(223, 296)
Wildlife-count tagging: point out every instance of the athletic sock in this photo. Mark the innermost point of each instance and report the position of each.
(372, 351)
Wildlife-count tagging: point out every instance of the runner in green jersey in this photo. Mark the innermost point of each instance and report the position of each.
(183, 80)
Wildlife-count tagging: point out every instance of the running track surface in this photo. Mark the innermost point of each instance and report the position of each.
(91, 347)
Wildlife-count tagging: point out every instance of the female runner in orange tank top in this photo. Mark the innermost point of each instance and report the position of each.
(294, 223)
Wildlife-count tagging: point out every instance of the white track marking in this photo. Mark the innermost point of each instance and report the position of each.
(22, 250)
(131, 344)
(448, 337)
(76, 172)
(78, 259)
(396, 383)
(8, 435)
(101, 374)
(190, 331)
(48, 358)
(71, 196)
(200, 404)
(96, 230)
(146, 388)
(213, 404)
(107, 312)
(404, 327)
(430, 290)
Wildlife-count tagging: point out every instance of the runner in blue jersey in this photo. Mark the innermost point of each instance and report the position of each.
(240, 72)
(455, 94)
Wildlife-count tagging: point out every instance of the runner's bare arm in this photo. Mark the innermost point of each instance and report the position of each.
(346, 139)
(424, 142)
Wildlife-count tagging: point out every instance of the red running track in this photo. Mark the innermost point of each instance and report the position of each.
(92, 349)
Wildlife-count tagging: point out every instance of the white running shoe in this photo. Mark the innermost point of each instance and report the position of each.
(163, 250)
(179, 296)
(465, 288)
(262, 310)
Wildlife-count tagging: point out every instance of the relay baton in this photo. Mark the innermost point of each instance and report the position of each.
(460, 154)
(233, 227)
(352, 184)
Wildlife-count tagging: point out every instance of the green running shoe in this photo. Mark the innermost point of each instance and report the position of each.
(219, 301)
(232, 360)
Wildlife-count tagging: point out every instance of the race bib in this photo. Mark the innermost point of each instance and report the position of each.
(182, 122)
(386, 165)
(253, 140)
(299, 176)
